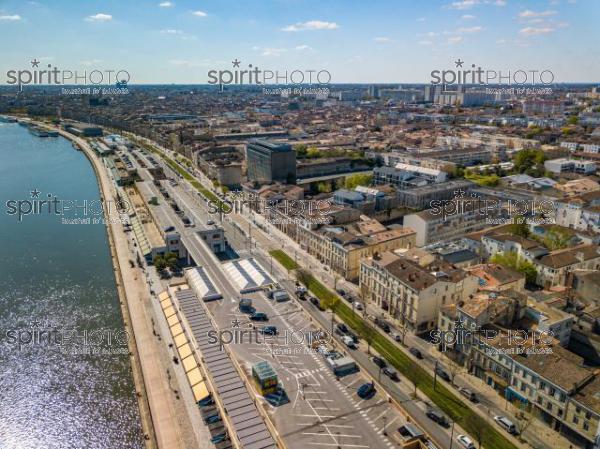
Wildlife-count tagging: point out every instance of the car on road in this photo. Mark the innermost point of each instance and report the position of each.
(397, 337)
(259, 316)
(349, 298)
(341, 329)
(381, 363)
(353, 336)
(468, 394)
(164, 274)
(300, 290)
(436, 415)
(341, 292)
(210, 222)
(269, 330)
(465, 442)
(314, 301)
(415, 352)
(441, 372)
(506, 424)
(349, 341)
(245, 305)
(391, 373)
(366, 391)
(169, 228)
(359, 306)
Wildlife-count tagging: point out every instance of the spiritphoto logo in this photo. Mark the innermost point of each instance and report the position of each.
(64, 339)
(493, 208)
(70, 211)
(50, 75)
(274, 211)
(253, 75)
(477, 75)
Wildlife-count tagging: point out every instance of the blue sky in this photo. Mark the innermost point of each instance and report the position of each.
(178, 41)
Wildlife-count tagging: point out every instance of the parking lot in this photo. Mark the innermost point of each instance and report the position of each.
(318, 408)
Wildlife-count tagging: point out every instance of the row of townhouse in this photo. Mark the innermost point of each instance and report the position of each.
(412, 289)
(517, 346)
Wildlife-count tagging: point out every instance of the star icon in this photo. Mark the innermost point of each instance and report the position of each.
(35, 63)
(236, 62)
(235, 323)
(459, 63)
(35, 324)
(35, 193)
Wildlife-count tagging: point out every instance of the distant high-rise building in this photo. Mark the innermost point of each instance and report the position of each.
(374, 91)
(268, 161)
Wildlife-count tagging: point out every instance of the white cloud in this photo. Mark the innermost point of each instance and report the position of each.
(311, 25)
(425, 43)
(303, 47)
(454, 39)
(12, 18)
(475, 29)
(272, 51)
(171, 31)
(165, 4)
(530, 31)
(530, 14)
(501, 41)
(467, 17)
(382, 39)
(199, 14)
(500, 3)
(90, 62)
(100, 17)
(191, 63)
(464, 4)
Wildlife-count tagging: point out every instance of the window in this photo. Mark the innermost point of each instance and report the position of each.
(586, 426)
(549, 406)
(575, 419)
(588, 415)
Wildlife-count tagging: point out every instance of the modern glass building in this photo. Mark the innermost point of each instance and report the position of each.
(267, 162)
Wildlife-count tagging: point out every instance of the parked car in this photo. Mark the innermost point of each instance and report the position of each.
(468, 394)
(212, 419)
(441, 372)
(341, 292)
(349, 298)
(366, 391)
(210, 222)
(314, 301)
(259, 316)
(269, 330)
(391, 373)
(359, 306)
(349, 341)
(397, 337)
(436, 415)
(169, 228)
(381, 363)
(341, 329)
(465, 441)
(353, 336)
(506, 424)
(208, 400)
(415, 352)
(219, 438)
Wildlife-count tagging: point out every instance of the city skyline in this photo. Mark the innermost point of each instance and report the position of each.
(383, 42)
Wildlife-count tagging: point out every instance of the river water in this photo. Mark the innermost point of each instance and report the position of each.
(65, 376)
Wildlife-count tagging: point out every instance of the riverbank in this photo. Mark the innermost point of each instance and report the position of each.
(161, 427)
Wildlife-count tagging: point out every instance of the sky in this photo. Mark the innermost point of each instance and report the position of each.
(383, 41)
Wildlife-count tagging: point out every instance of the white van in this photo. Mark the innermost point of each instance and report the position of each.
(506, 423)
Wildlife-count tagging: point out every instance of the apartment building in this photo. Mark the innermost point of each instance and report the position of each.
(553, 268)
(580, 212)
(405, 175)
(562, 165)
(222, 164)
(433, 225)
(497, 278)
(413, 289)
(342, 247)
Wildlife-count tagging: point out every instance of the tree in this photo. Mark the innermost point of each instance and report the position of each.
(323, 187)
(357, 180)
(454, 369)
(303, 276)
(519, 227)
(171, 260)
(573, 120)
(512, 260)
(529, 160)
(556, 238)
(159, 263)
(524, 417)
